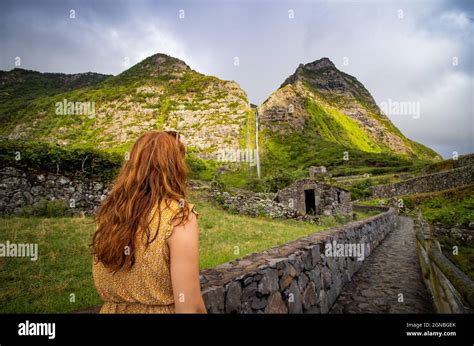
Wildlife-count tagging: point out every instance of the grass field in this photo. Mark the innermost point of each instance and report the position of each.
(60, 280)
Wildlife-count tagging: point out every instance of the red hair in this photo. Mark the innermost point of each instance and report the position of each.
(155, 172)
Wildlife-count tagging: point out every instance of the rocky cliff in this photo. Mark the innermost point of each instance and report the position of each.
(329, 107)
(161, 92)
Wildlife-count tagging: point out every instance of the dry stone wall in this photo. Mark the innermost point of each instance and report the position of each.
(19, 188)
(464, 160)
(297, 277)
(457, 177)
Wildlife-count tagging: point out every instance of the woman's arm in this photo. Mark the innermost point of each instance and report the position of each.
(184, 257)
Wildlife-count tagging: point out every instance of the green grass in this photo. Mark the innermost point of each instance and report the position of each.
(64, 264)
(339, 128)
(453, 207)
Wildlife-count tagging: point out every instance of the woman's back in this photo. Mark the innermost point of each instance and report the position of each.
(147, 286)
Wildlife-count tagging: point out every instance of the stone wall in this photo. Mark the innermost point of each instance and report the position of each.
(18, 188)
(457, 177)
(257, 204)
(349, 177)
(464, 160)
(296, 277)
(329, 200)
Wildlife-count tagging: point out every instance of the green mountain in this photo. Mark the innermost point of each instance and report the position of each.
(321, 115)
(161, 92)
(18, 87)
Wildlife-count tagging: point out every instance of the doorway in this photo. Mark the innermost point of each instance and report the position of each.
(310, 201)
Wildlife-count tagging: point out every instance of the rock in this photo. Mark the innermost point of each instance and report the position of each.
(326, 277)
(307, 260)
(302, 281)
(233, 297)
(259, 302)
(249, 291)
(269, 282)
(323, 302)
(37, 190)
(98, 186)
(313, 310)
(214, 299)
(28, 197)
(332, 295)
(63, 180)
(333, 266)
(369, 293)
(315, 277)
(278, 263)
(297, 262)
(17, 199)
(289, 272)
(346, 277)
(294, 299)
(276, 304)
(337, 283)
(309, 296)
(203, 279)
(316, 255)
(248, 280)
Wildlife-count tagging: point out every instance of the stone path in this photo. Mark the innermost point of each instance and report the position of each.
(391, 273)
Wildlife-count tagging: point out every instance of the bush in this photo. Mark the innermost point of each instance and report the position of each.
(47, 208)
(196, 165)
(358, 193)
(88, 162)
(216, 183)
(232, 209)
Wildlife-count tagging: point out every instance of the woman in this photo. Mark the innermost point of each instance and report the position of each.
(145, 247)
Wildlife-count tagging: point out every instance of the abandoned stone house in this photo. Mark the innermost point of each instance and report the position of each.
(317, 171)
(309, 196)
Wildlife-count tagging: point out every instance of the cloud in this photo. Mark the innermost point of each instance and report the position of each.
(402, 59)
(423, 57)
(459, 20)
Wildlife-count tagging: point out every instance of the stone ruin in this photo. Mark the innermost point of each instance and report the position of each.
(309, 196)
(317, 171)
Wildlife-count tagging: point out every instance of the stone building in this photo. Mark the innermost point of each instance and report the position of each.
(315, 171)
(309, 196)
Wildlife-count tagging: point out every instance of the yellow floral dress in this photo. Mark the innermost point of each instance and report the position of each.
(146, 287)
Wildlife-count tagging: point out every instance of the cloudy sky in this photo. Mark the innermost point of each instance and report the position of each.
(417, 54)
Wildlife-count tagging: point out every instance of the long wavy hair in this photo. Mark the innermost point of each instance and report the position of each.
(155, 171)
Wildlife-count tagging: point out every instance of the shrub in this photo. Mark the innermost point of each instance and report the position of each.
(281, 179)
(216, 183)
(232, 209)
(47, 208)
(84, 161)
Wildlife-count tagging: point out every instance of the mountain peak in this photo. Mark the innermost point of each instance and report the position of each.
(157, 65)
(311, 69)
(162, 63)
(318, 64)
